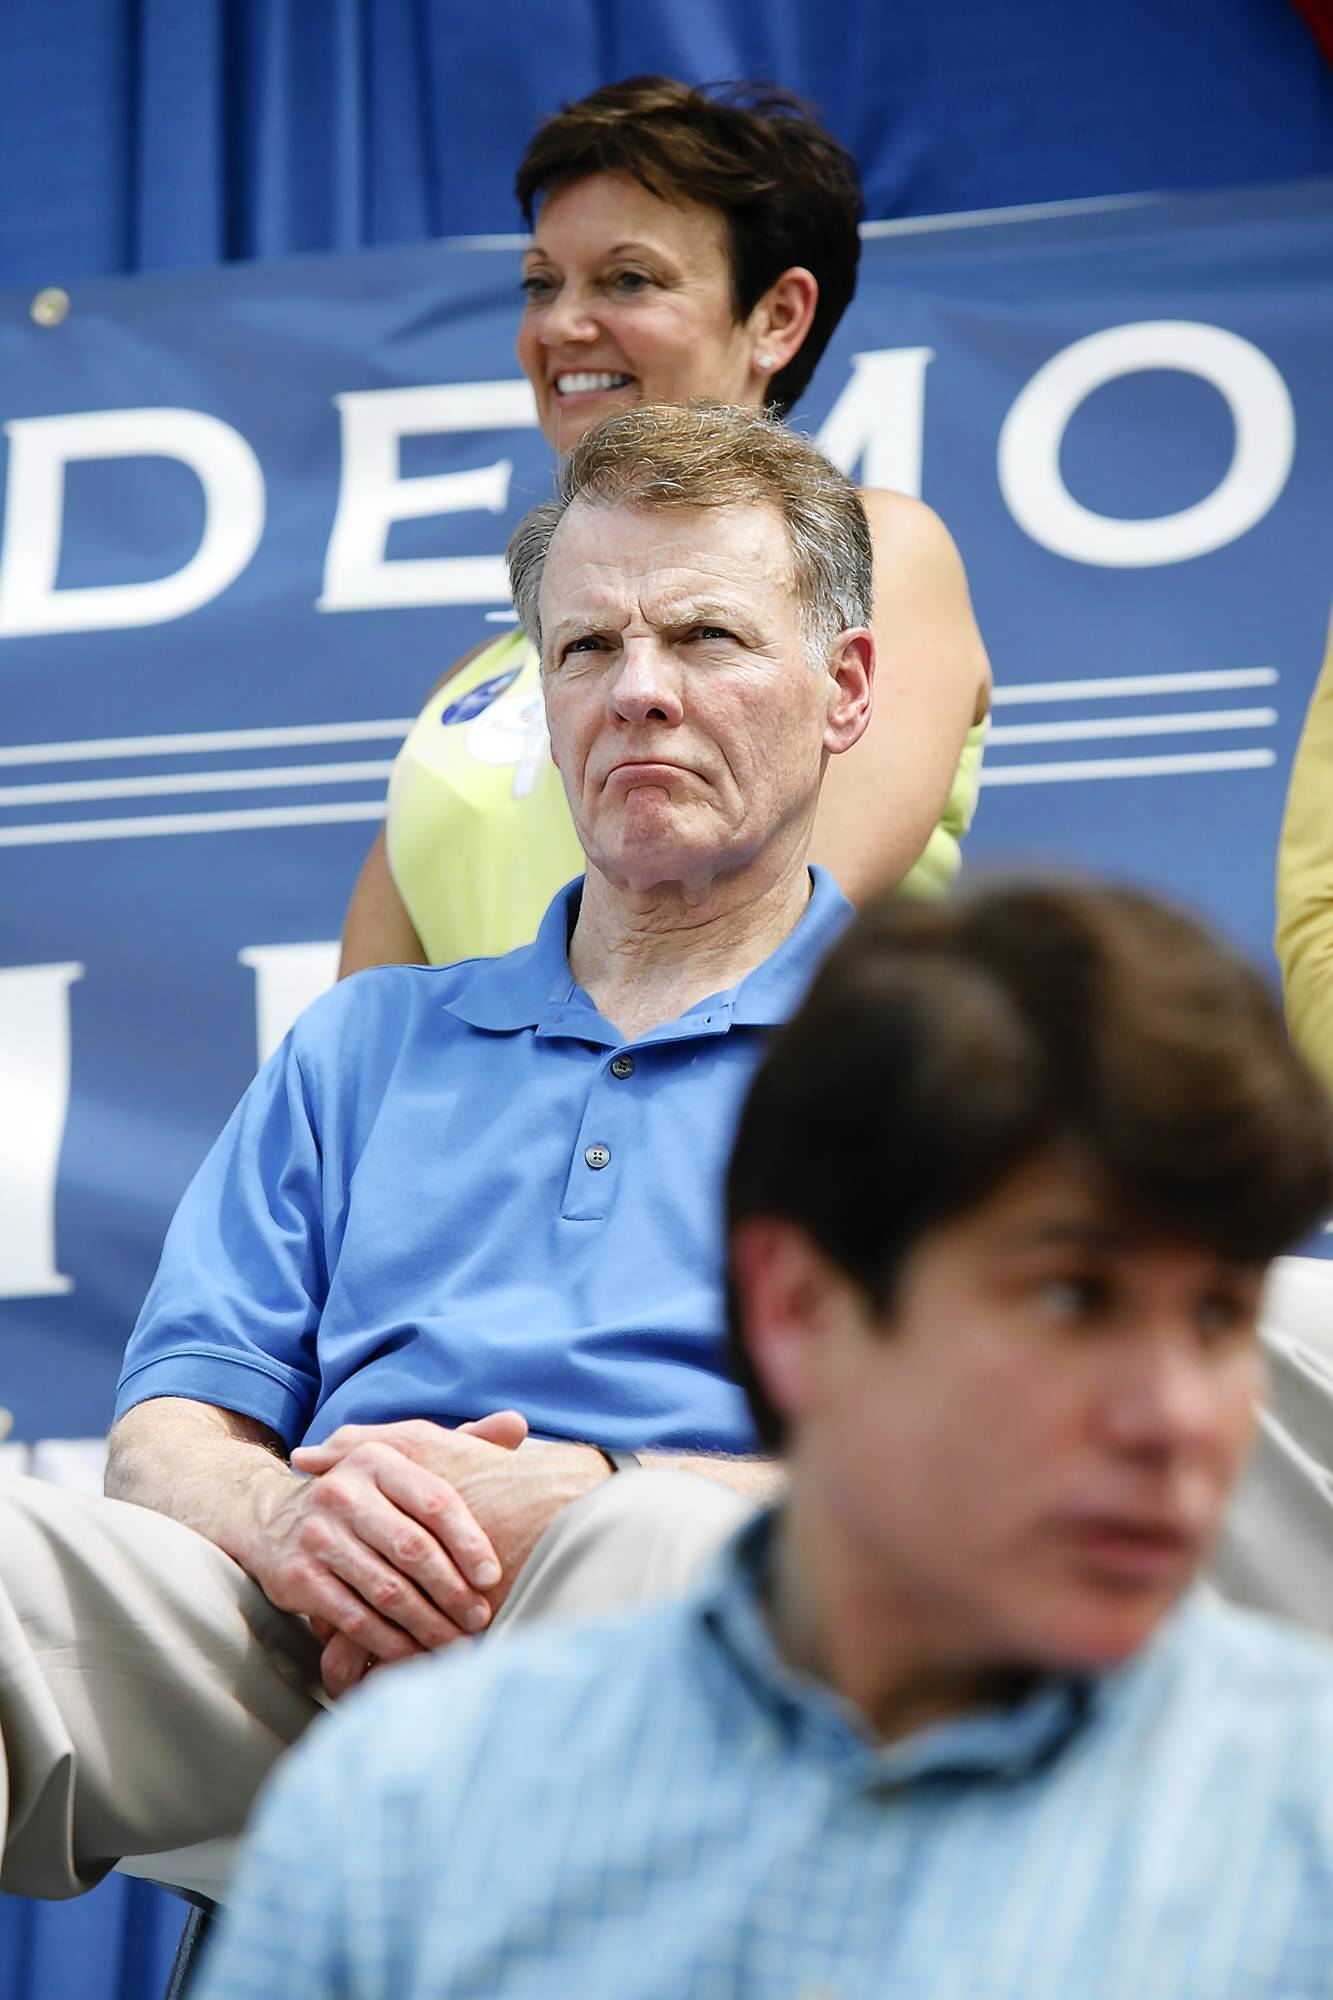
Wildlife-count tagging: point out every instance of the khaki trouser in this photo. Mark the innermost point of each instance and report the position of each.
(147, 1684)
(1276, 1551)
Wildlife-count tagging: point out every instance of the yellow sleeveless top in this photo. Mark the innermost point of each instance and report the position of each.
(1304, 938)
(478, 833)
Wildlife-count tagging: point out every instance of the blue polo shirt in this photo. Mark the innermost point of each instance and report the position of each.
(458, 1189)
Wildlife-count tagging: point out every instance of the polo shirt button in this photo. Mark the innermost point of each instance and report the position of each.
(622, 1065)
(598, 1157)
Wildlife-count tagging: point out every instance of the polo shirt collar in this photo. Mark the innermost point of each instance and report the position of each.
(772, 992)
(534, 988)
(516, 991)
(998, 1744)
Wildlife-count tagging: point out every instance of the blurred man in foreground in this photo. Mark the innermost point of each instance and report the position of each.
(955, 1717)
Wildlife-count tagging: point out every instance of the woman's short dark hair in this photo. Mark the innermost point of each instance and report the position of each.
(787, 191)
(944, 1045)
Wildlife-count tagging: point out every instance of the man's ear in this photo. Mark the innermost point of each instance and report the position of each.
(784, 1290)
(851, 671)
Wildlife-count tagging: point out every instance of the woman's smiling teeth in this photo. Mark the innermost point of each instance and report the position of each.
(582, 384)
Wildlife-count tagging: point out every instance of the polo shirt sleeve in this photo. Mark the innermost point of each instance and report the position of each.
(232, 1316)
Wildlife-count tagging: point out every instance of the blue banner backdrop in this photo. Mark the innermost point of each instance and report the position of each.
(251, 513)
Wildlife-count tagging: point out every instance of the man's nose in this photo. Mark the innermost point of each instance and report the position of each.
(1162, 1400)
(646, 687)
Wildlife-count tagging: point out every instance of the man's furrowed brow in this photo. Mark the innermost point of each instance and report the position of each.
(578, 624)
(715, 608)
(700, 605)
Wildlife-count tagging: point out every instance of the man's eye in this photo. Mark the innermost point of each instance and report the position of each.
(712, 632)
(588, 642)
(1074, 1298)
(1220, 1317)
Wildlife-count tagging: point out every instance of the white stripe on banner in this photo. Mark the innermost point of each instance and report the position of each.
(220, 822)
(1123, 767)
(306, 776)
(215, 740)
(203, 739)
(901, 225)
(978, 218)
(1136, 684)
(362, 809)
(1127, 725)
(277, 777)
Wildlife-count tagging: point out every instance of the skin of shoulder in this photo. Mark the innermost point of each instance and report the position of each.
(1304, 935)
(880, 805)
(377, 929)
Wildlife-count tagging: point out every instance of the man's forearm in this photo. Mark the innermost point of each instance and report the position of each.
(761, 1479)
(216, 1472)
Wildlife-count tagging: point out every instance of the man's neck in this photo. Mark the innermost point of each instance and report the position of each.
(646, 956)
(844, 1628)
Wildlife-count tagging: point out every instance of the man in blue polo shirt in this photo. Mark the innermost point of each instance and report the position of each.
(954, 1720)
(457, 1194)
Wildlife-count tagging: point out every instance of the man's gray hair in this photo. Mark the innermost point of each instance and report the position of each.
(711, 455)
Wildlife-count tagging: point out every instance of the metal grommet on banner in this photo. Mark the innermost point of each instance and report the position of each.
(50, 306)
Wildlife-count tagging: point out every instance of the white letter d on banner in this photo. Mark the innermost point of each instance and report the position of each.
(39, 450)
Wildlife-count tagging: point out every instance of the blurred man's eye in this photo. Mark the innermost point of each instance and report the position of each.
(1074, 1297)
(1222, 1316)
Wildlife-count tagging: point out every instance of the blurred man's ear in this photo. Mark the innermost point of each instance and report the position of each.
(789, 1297)
(851, 671)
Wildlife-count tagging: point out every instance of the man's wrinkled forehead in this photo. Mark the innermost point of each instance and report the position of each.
(709, 558)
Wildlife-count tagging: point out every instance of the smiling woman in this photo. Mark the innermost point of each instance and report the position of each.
(638, 291)
(685, 245)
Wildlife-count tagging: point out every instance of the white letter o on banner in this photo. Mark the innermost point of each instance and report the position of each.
(1029, 451)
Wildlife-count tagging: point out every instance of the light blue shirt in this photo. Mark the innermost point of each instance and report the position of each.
(458, 1189)
(656, 1808)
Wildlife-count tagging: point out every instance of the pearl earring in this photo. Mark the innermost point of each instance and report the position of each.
(763, 360)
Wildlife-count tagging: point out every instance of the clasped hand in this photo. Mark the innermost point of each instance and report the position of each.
(382, 1548)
